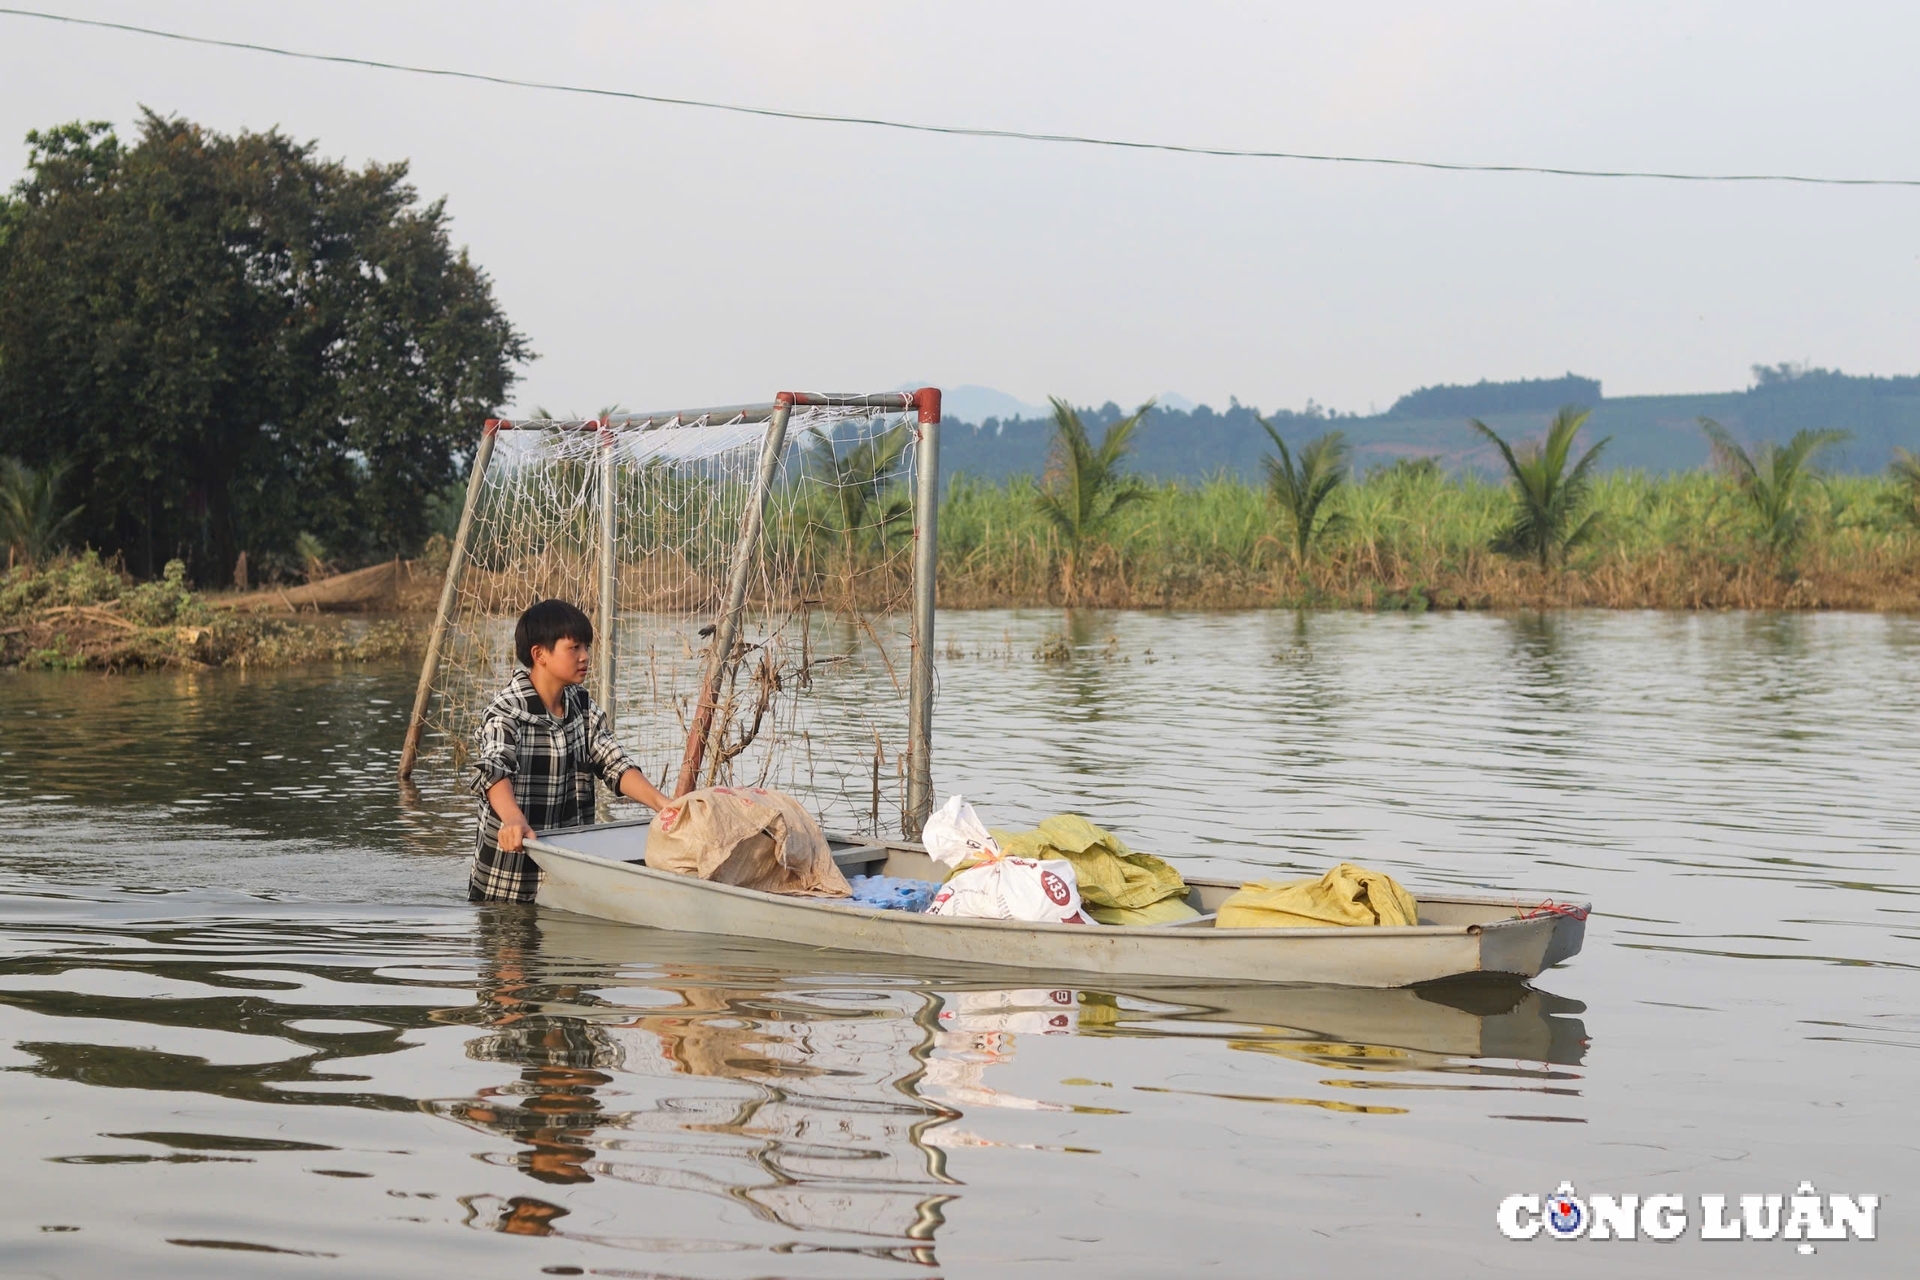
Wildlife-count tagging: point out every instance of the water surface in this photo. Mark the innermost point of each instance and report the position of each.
(249, 1026)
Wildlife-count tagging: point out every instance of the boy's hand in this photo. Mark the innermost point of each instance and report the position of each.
(513, 834)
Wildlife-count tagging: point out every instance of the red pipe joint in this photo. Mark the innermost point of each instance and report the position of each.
(927, 401)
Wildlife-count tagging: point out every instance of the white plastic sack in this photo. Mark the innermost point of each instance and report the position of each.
(955, 833)
(1050, 1012)
(1013, 889)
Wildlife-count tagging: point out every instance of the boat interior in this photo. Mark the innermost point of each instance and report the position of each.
(858, 855)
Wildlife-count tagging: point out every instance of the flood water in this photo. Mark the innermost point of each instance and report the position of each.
(249, 1026)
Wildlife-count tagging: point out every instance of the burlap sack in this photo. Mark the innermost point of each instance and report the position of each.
(749, 837)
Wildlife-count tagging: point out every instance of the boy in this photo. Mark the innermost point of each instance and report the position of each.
(539, 747)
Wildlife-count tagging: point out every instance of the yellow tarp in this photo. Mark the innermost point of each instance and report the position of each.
(1165, 911)
(1346, 895)
(1117, 885)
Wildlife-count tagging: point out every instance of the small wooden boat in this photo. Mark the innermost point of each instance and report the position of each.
(597, 871)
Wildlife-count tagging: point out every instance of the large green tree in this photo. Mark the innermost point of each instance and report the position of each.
(229, 341)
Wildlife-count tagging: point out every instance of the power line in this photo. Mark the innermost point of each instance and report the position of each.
(960, 131)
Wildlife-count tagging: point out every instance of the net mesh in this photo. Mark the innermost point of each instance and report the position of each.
(813, 700)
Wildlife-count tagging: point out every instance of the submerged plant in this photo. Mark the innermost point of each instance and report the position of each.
(1772, 479)
(32, 526)
(1547, 494)
(1301, 489)
(1085, 483)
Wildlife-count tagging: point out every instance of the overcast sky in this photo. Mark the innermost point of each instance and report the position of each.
(659, 256)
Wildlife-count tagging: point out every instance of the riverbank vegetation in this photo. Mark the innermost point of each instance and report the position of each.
(1760, 529)
(1412, 537)
(77, 612)
(1408, 537)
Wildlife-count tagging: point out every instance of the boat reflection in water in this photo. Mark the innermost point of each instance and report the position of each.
(825, 1100)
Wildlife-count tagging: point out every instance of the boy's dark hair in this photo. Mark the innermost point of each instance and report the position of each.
(546, 624)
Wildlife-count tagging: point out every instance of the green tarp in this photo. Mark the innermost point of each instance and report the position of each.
(1117, 885)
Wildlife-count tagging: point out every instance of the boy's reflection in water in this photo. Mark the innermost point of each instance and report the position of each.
(556, 1112)
(514, 1216)
(831, 1132)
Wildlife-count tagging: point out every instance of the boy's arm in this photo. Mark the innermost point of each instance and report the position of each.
(634, 786)
(514, 827)
(496, 760)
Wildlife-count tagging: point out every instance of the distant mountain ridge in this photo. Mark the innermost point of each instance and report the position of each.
(1529, 395)
(1650, 433)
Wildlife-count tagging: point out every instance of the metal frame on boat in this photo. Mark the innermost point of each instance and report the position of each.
(924, 404)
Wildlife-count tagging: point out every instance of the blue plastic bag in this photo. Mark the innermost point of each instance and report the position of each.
(892, 893)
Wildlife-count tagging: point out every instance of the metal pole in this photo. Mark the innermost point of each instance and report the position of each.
(926, 558)
(603, 673)
(727, 625)
(449, 591)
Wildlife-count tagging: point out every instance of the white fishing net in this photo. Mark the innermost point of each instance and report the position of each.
(814, 701)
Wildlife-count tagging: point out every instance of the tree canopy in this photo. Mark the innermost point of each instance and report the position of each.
(226, 342)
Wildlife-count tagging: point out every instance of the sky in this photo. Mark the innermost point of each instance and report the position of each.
(662, 256)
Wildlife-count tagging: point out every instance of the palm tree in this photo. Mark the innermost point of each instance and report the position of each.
(1772, 477)
(1085, 485)
(860, 481)
(1301, 489)
(31, 525)
(1547, 496)
(1904, 501)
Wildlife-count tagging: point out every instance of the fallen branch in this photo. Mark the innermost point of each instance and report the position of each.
(345, 592)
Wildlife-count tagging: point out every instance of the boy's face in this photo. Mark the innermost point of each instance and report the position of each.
(567, 661)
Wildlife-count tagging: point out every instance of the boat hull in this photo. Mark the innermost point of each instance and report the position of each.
(1458, 937)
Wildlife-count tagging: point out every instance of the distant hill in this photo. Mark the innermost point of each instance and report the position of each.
(977, 404)
(1650, 433)
(1530, 395)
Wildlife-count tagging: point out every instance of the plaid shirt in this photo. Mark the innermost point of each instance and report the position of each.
(552, 763)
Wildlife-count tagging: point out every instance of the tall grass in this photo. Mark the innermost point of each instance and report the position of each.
(1413, 537)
